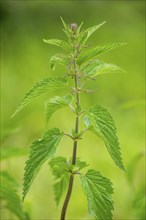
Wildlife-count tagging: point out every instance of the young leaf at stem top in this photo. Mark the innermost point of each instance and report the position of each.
(83, 37)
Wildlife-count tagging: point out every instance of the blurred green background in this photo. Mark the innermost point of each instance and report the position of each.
(25, 60)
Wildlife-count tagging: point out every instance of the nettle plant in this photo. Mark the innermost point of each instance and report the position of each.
(81, 65)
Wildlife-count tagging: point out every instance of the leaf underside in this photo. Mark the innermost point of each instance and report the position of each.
(57, 103)
(40, 151)
(98, 190)
(40, 88)
(8, 193)
(100, 121)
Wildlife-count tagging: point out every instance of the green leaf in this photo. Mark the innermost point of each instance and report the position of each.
(40, 151)
(94, 52)
(60, 43)
(57, 103)
(59, 168)
(97, 67)
(98, 190)
(100, 121)
(138, 203)
(9, 194)
(40, 88)
(10, 152)
(80, 164)
(60, 59)
(66, 28)
(83, 37)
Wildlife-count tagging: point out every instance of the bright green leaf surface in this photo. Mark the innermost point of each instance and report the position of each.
(98, 190)
(40, 88)
(57, 103)
(59, 169)
(60, 59)
(88, 32)
(66, 28)
(94, 52)
(8, 193)
(100, 121)
(40, 151)
(60, 43)
(97, 67)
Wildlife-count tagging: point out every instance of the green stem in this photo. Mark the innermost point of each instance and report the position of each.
(71, 180)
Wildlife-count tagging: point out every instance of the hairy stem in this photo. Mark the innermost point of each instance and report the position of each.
(71, 180)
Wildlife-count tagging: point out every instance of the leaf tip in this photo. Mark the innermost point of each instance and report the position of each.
(13, 115)
(45, 41)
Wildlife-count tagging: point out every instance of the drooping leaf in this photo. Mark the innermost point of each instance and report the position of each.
(60, 59)
(10, 152)
(57, 103)
(40, 88)
(59, 167)
(97, 67)
(100, 121)
(40, 151)
(9, 195)
(98, 190)
(60, 43)
(94, 52)
(83, 37)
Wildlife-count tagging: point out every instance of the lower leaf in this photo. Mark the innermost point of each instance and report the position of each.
(98, 190)
(40, 151)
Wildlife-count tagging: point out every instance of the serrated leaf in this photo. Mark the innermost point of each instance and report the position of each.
(60, 43)
(83, 37)
(40, 151)
(10, 152)
(97, 67)
(100, 121)
(59, 168)
(60, 59)
(9, 194)
(98, 190)
(40, 88)
(57, 103)
(93, 53)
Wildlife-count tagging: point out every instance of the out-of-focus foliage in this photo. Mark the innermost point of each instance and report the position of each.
(9, 196)
(25, 60)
